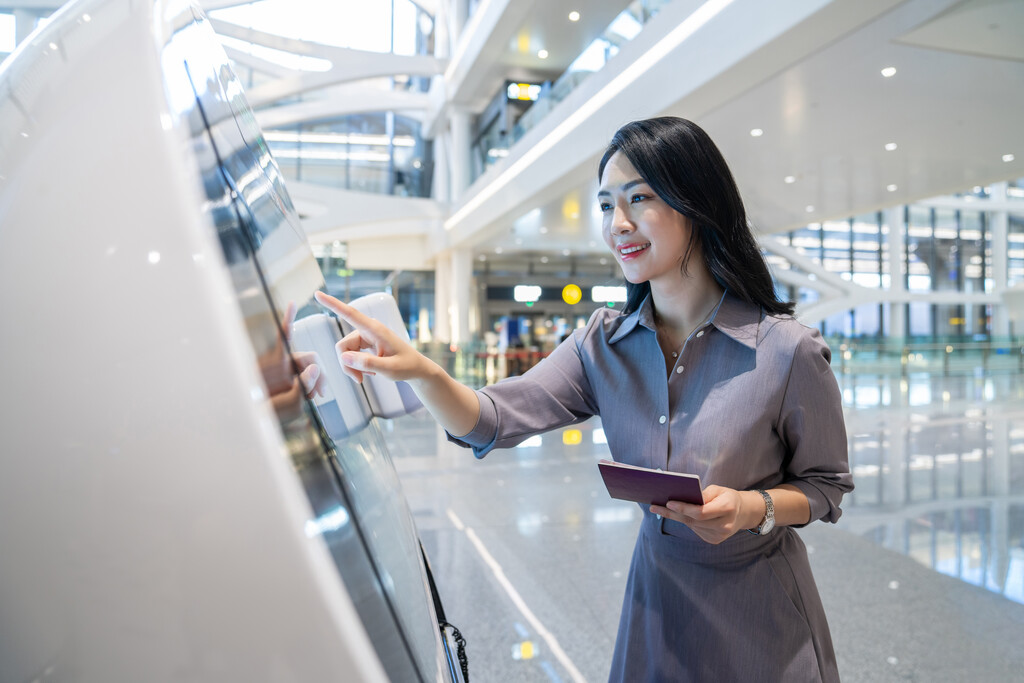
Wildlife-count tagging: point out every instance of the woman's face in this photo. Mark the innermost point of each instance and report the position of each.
(647, 236)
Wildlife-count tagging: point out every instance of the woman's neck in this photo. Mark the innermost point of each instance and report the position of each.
(683, 305)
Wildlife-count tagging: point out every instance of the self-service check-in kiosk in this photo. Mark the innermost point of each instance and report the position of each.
(172, 506)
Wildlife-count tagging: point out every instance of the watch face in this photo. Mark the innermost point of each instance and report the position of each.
(768, 525)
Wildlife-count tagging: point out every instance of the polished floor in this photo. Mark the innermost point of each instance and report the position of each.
(922, 578)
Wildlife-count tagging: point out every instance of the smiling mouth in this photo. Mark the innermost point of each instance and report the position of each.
(632, 249)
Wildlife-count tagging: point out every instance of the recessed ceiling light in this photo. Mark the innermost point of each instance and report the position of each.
(890, 146)
(566, 252)
(482, 257)
(574, 16)
(1008, 157)
(891, 188)
(756, 133)
(497, 250)
(790, 179)
(889, 71)
(809, 208)
(543, 54)
(543, 259)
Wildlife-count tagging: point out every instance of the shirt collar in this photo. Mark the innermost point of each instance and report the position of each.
(736, 318)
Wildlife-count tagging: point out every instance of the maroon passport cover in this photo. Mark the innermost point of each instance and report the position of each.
(651, 487)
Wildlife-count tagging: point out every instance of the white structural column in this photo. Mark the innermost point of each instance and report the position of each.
(893, 218)
(24, 24)
(442, 297)
(458, 13)
(441, 187)
(454, 297)
(462, 299)
(460, 149)
(454, 268)
(999, 229)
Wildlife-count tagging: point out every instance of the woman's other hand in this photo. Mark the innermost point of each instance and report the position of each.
(721, 516)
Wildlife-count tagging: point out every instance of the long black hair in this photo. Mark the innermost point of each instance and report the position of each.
(685, 169)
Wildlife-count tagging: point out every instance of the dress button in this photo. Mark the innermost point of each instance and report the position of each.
(701, 333)
(675, 354)
(662, 420)
(679, 370)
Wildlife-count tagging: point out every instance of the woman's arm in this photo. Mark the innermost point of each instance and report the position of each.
(453, 405)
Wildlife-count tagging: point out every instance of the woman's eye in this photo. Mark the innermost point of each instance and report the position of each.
(637, 198)
(605, 206)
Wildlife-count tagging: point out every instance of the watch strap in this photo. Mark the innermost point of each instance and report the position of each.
(769, 513)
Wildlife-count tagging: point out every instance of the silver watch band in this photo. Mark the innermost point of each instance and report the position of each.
(767, 523)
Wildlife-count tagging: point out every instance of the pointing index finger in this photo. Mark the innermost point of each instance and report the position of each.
(357, 318)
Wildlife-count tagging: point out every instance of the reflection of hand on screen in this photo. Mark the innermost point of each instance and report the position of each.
(309, 372)
(278, 368)
(307, 362)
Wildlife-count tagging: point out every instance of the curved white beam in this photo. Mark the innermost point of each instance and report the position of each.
(332, 214)
(352, 101)
(258, 64)
(346, 64)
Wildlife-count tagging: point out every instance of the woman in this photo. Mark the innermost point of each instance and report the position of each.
(705, 371)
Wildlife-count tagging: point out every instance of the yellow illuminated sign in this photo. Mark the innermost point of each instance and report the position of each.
(572, 294)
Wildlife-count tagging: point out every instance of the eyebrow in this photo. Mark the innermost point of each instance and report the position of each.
(624, 186)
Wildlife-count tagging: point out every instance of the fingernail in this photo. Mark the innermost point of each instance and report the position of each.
(348, 358)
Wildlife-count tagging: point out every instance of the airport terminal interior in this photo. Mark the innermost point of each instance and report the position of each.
(445, 152)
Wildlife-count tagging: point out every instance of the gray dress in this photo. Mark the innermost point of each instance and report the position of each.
(751, 403)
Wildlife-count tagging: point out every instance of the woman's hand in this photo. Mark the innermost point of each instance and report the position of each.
(721, 516)
(453, 405)
(390, 356)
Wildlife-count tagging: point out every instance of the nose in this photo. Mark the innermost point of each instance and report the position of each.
(621, 224)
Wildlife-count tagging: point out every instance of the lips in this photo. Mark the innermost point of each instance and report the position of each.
(631, 250)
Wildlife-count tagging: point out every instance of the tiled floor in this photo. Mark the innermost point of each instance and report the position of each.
(922, 579)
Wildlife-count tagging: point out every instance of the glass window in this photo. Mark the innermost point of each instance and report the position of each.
(975, 252)
(1015, 250)
(920, 250)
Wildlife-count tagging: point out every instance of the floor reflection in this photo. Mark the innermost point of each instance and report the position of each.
(938, 461)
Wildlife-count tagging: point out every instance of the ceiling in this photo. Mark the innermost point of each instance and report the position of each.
(953, 108)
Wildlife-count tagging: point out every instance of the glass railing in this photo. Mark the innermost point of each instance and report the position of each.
(494, 145)
(945, 355)
(888, 361)
(375, 152)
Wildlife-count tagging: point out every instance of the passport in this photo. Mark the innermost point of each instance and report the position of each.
(651, 487)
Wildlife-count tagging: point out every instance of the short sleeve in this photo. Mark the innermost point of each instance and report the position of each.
(811, 425)
(552, 394)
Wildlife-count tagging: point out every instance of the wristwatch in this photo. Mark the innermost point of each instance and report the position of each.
(768, 523)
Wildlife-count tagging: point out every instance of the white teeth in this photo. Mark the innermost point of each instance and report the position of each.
(633, 250)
